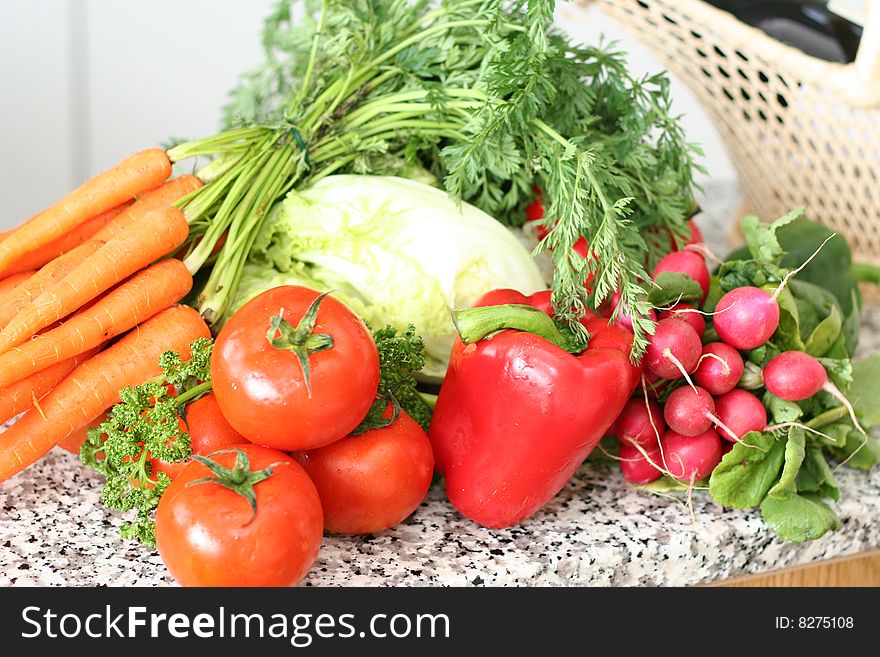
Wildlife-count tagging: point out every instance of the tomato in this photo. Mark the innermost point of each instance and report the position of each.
(372, 481)
(277, 398)
(208, 430)
(208, 535)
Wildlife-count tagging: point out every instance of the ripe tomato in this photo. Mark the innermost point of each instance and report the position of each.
(209, 431)
(292, 401)
(372, 481)
(208, 535)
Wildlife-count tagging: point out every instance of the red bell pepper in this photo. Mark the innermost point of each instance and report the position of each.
(517, 413)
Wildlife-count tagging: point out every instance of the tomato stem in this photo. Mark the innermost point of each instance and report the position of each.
(239, 478)
(300, 340)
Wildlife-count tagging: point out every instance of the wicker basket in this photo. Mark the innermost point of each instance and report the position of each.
(800, 130)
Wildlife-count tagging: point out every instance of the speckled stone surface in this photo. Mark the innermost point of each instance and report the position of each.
(597, 531)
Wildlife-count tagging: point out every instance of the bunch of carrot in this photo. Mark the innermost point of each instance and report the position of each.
(73, 279)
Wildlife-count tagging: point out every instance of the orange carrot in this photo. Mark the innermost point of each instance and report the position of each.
(94, 386)
(65, 243)
(160, 197)
(140, 297)
(54, 271)
(133, 176)
(20, 396)
(74, 441)
(11, 282)
(157, 234)
(17, 299)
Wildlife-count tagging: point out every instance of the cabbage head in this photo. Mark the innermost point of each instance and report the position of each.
(396, 250)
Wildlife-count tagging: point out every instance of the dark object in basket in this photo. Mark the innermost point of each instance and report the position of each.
(809, 25)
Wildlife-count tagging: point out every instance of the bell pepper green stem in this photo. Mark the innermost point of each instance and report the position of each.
(474, 324)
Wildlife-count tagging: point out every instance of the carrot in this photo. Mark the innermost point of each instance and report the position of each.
(160, 197)
(75, 440)
(52, 272)
(17, 299)
(94, 386)
(157, 234)
(140, 297)
(20, 396)
(65, 243)
(133, 176)
(11, 282)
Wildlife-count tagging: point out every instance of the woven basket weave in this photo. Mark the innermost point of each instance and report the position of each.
(800, 130)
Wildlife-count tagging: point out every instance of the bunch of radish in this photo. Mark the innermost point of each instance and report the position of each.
(696, 372)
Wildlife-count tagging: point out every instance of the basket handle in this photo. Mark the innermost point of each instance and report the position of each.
(868, 57)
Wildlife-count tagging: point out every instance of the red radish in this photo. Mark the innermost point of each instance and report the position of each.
(794, 375)
(726, 446)
(634, 424)
(691, 410)
(686, 262)
(746, 317)
(720, 368)
(624, 318)
(674, 349)
(688, 313)
(741, 412)
(693, 232)
(691, 457)
(636, 468)
(696, 235)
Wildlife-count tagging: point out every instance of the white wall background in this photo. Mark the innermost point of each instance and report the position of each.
(86, 82)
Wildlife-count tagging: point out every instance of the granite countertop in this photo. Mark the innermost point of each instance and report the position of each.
(597, 531)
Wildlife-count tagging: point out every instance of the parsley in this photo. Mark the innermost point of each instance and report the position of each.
(401, 357)
(483, 94)
(145, 424)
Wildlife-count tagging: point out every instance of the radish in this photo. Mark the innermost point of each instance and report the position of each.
(741, 412)
(746, 317)
(691, 457)
(689, 411)
(720, 368)
(636, 467)
(794, 375)
(639, 422)
(695, 234)
(689, 314)
(686, 262)
(674, 349)
(624, 318)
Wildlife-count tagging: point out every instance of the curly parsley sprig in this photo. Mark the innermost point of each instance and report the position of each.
(146, 424)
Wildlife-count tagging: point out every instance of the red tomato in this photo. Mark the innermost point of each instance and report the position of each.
(372, 481)
(209, 431)
(208, 535)
(261, 388)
